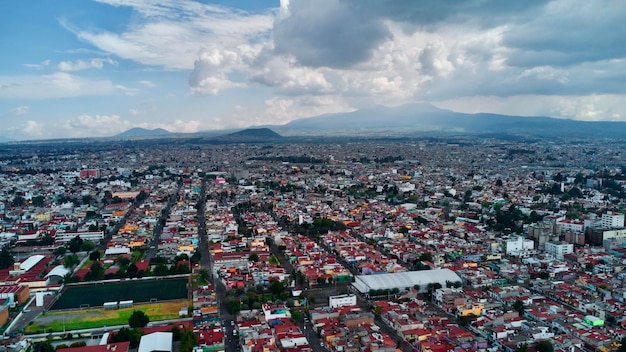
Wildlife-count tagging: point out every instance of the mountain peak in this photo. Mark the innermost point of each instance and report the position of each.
(143, 132)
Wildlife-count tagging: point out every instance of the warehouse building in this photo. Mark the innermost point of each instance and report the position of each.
(404, 280)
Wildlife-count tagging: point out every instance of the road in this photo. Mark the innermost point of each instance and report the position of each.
(158, 228)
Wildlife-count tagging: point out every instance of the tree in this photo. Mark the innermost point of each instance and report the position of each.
(622, 347)
(544, 275)
(138, 319)
(60, 251)
(70, 260)
(544, 346)
(43, 346)
(37, 201)
(253, 257)
(522, 348)
(518, 305)
(75, 243)
(87, 246)
(187, 341)
(95, 255)
(126, 334)
(6, 258)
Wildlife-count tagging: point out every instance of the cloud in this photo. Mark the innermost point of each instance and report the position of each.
(175, 126)
(328, 33)
(137, 111)
(55, 85)
(39, 66)
(20, 110)
(566, 33)
(578, 107)
(210, 73)
(95, 125)
(85, 64)
(34, 129)
(342, 55)
(173, 34)
(147, 83)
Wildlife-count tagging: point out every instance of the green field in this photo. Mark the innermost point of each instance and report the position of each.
(80, 296)
(98, 317)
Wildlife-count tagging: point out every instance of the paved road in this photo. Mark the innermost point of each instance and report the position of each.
(158, 228)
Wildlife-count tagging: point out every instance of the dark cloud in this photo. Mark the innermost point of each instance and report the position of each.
(584, 79)
(328, 33)
(569, 33)
(429, 12)
(342, 33)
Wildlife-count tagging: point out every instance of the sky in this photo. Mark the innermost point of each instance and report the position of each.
(93, 68)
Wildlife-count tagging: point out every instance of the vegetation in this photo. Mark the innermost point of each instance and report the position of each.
(138, 319)
(99, 317)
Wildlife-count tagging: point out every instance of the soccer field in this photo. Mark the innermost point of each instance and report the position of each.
(136, 290)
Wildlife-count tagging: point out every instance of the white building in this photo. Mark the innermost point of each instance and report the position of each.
(612, 220)
(93, 236)
(614, 235)
(342, 300)
(558, 249)
(565, 225)
(156, 342)
(518, 246)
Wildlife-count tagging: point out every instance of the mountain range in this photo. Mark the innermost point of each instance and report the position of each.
(403, 121)
(414, 118)
(409, 120)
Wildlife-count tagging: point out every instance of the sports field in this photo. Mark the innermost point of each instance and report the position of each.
(99, 317)
(82, 296)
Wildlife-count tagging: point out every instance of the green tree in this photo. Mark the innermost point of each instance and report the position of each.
(544, 346)
(518, 305)
(253, 257)
(70, 260)
(233, 306)
(160, 270)
(87, 246)
(522, 348)
(6, 259)
(622, 347)
(126, 334)
(37, 201)
(43, 346)
(75, 243)
(95, 255)
(187, 341)
(138, 319)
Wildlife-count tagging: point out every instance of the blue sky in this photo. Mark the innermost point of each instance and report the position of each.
(82, 68)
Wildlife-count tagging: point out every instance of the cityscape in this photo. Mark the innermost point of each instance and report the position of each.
(457, 243)
(312, 176)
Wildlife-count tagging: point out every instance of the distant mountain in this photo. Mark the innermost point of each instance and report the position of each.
(143, 132)
(4, 139)
(250, 135)
(413, 118)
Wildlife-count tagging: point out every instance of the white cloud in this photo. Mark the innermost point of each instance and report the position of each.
(173, 34)
(95, 126)
(586, 108)
(55, 85)
(175, 126)
(210, 73)
(20, 110)
(39, 66)
(34, 129)
(147, 83)
(79, 65)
